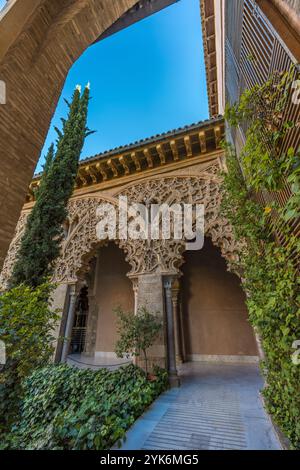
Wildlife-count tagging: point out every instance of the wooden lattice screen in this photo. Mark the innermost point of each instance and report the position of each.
(254, 51)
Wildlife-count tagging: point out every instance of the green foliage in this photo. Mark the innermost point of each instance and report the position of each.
(271, 282)
(262, 108)
(269, 271)
(41, 241)
(137, 332)
(26, 327)
(245, 215)
(67, 408)
(272, 285)
(292, 208)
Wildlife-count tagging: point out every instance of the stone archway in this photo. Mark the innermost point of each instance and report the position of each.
(40, 41)
(155, 264)
(163, 256)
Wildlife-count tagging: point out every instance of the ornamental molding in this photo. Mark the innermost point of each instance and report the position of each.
(144, 256)
(12, 252)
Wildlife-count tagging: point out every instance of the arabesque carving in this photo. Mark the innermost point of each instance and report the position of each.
(12, 252)
(81, 239)
(144, 256)
(166, 255)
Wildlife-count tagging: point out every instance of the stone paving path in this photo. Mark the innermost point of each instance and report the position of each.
(217, 407)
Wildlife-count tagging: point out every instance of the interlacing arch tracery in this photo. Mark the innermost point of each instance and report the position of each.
(12, 252)
(81, 242)
(146, 256)
(165, 256)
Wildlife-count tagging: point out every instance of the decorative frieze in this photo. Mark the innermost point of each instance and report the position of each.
(144, 256)
(150, 154)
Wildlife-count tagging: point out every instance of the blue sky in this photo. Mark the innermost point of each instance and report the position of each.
(2, 4)
(145, 80)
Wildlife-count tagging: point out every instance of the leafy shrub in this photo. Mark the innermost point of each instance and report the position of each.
(68, 408)
(137, 332)
(26, 325)
(271, 282)
(269, 269)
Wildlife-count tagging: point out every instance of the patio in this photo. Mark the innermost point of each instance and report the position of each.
(217, 407)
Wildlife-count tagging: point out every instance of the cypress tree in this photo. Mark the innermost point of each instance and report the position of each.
(40, 245)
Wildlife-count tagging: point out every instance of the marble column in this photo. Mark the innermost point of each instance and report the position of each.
(135, 285)
(69, 322)
(92, 320)
(175, 289)
(181, 327)
(59, 303)
(171, 348)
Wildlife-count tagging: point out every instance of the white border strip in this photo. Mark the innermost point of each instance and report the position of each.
(223, 358)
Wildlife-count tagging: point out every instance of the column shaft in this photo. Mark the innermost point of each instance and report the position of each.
(177, 325)
(173, 377)
(69, 323)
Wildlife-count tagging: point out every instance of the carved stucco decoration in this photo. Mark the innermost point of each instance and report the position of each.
(165, 256)
(81, 240)
(145, 257)
(12, 252)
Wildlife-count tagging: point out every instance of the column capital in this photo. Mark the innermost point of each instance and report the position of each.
(175, 288)
(172, 283)
(135, 284)
(74, 288)
(167, 283)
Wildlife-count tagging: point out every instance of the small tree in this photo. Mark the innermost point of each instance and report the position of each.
(137, 332)
(26, 328)
(40, 244)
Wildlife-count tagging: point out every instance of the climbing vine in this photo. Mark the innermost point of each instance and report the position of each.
(269, 270)
(264, 167)
(65, 408)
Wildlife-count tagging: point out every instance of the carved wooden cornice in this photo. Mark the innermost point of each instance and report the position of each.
(164, 150)
(209, 46)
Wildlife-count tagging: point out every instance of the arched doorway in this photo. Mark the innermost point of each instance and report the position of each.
(215, 319)
(112, 288)
(106, 287)
(80, 322)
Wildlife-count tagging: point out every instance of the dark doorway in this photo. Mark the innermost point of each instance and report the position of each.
(215, 316)
(80, 322)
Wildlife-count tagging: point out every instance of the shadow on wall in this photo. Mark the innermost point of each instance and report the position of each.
(112, 288)
(215, 316)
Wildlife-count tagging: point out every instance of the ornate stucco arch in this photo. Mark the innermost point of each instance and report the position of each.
(144, 256)
(166, 255)
(12, 252)
(81, 242)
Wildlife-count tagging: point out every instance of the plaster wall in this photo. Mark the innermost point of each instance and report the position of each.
(112, 288)
(215, 316)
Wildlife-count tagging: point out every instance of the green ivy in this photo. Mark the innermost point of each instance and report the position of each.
(27, 324)
(271, 282)
(70, 409)
(272, 286)
(262, 108)
(269, 271)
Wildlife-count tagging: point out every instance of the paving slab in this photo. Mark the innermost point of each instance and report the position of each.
(217, 407)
